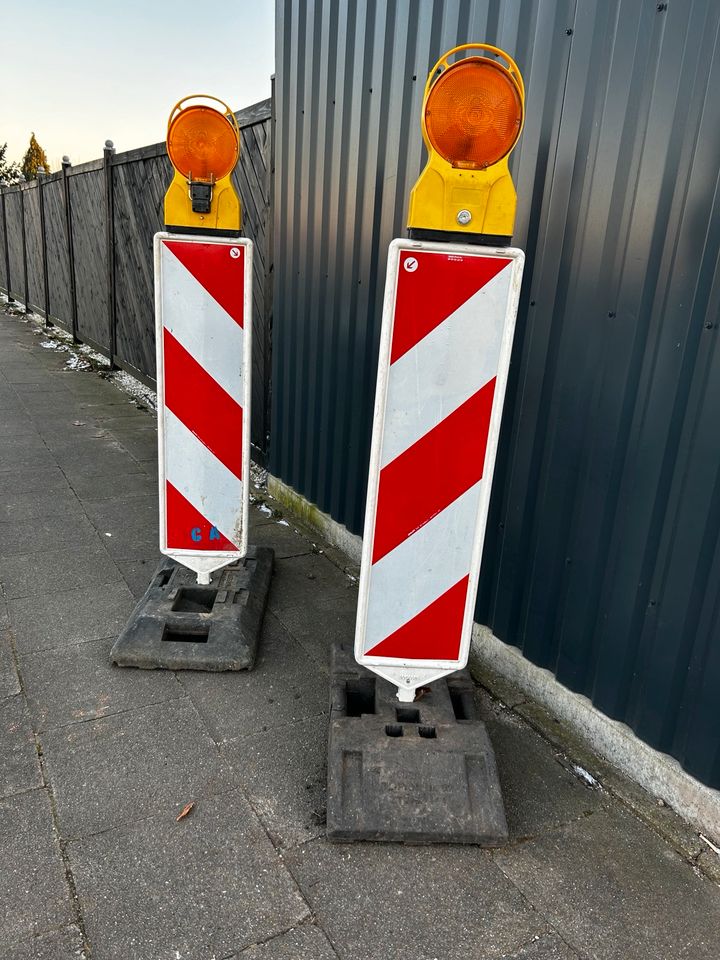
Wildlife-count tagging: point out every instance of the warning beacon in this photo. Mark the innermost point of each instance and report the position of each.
(451, 299)
(203, 298)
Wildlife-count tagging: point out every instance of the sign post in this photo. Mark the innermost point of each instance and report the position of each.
(409, 758)
(203, 310)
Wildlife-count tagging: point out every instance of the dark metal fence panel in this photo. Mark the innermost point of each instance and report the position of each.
(33, 247)
(602, 559)
(138, 191)
(58, 267)
(252, 181)
(13, 214)
(87, 199)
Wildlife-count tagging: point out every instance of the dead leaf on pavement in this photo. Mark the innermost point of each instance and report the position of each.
(185, 811)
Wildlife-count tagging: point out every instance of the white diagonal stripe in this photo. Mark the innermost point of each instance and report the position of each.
(445, 368)
(202, 326)
(201, 478)
(423, 567)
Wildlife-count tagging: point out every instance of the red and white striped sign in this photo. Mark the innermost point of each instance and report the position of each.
(203, 297)
(448, 324)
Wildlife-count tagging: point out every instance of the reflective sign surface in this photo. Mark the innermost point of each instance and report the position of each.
(203, 296)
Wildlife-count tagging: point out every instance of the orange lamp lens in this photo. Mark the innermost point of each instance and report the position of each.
(473, 113)
(201, 143)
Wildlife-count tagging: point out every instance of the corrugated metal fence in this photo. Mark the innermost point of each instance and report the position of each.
(59, 256)
(602, 560)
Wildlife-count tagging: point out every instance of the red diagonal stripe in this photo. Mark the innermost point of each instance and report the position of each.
(428, 295)
(212, 265)
(202, 405)
(432, 473)
(432, 634)
(183, 520)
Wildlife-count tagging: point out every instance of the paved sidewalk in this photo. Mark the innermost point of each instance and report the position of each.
(96, 762)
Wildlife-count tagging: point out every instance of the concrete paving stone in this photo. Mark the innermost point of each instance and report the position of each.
(94, 458)
(307, 942)
(59, 434)
(399, 902)
(282, 537)
(48, 403)
(301, 581)
(63, 944)
(67, 568)
(126, 767)
(205, 887)
(143, 424)
(285, 686)
(122, 484)
(24, 452)
(539, 794)
(132, 523)
(20, 505)
(613, 890)
(20, 372)
(141, 444)
(72, 616)
(9, 682)
(80, 683)
(544, 947)
(34, 892)
(283, 772)
(45, 533)
(122, 406)
(15, 422)
(19, 765)
(138, 573)
(32, 481)
(87, 383)
(321, 623)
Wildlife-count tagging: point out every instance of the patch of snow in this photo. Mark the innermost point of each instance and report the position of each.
(137, 390)
(264, 508)
(582, 774)
(283, 523)
(75, 362)
(258, 475)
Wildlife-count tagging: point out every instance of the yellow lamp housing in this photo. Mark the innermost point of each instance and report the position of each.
(472, 115)
(203, 145)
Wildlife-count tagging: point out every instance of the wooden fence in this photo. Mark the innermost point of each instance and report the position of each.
(76, 247)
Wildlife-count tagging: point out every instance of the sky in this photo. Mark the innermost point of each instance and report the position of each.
(80, 72)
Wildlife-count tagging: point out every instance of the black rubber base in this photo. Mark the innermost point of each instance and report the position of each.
(421, 772)
(180, 625)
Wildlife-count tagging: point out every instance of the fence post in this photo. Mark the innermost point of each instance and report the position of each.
(24, 251)
(108, 153)
(43, 245)
(5, 241)
(70, 251)
(269, 276)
